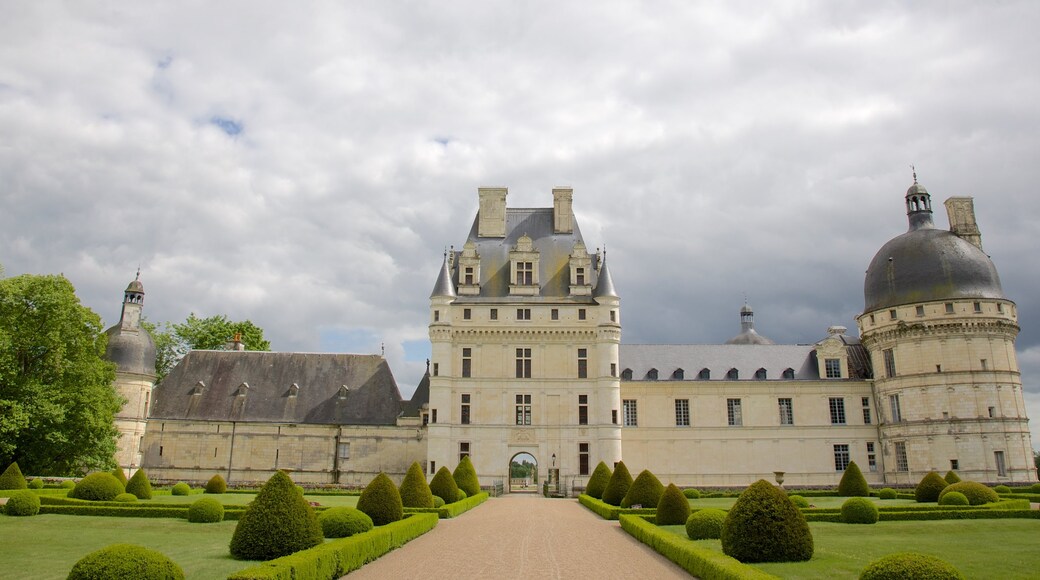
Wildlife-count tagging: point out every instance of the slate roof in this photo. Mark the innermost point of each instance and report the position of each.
(719, 359)
(420, 397)
(133, 351)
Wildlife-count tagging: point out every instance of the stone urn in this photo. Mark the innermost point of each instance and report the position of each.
(779, 478)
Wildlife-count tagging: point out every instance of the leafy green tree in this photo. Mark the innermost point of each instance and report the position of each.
(56, 398)
(173, 341)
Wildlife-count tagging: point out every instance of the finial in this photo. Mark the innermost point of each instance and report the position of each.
(138, 277)
(914, 169)
(382, 349)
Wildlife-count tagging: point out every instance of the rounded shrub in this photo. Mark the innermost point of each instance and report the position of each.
(125, 561)
(617, 487)
(216, 484)
(181, 488)
(23, 503)
(764, 526)
(415, 492)
(462, 495)
(852, 483)
(1035, 488)
(929, 488)
(276, 523)
(976, 493)
(125, 498)
(954, 498)
(673, 509)
(381, 501)
(205, 510)
(36, 483)
(100, 486)
(859, 510)
(691, 493)
(952, 477)
(887, 493)
(300, 490)
(465, 476)
(443, 485)
(120, 475)
(646, 491)
(904, 565)
(1002, 489)
(12, 478)
(341, 522)
(798, 501)
(438, 501)
(68, 484)
(139, 485)
(705, 524)
(598, 481)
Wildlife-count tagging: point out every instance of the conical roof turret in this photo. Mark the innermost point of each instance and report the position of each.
(444, 286)
(605, 284)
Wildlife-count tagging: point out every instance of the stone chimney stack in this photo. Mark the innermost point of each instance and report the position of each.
(563, 217)
(492, 214)
(961, 211)
(236, 343)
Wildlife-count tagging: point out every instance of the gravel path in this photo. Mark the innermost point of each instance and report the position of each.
(523, 536)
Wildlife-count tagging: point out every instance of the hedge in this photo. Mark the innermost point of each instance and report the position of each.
(701, 562)
(943, 514)
(131, 511)
(451, 510)
(610, 512)
(339, 557)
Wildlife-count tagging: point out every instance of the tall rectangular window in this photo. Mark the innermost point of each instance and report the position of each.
(524, 273)
(613, 369)
(613, 416)
(463, 449)
(523, 314)
(890, 362)
(583, 363)
(464, 414)
(467, 362)
(841, 457)
(998, 457)
(631, 416)
(682, 412)
(433, 467)
(523, 409)
(583, 409)
(866, 410)
(554, 314)
(436, 369)
(467, 313)
(581, 314)
(833, 368)
(583, 458)
(344, 450)
(468, 278)
(579, 275)
(523, 363)
(786, 411)
(433, 415)
(613, 315)
(733, 414)
(871, 456)
(897, 413)
(837, 405)
(494, 314)
(901, 462)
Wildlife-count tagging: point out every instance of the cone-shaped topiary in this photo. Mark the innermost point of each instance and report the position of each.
(859, 510)
(120, 475)
(852, 483)
(465, 476)
(205, 510)
(598, 481)
(909, 565)
(952, 477)
(126, 561)
(674, 508)
(705, 524)
(100, 486)
(139, 485)
(444, 486)
(646, 491)
(342, 522)
(12, 478)
(216, 484)
(277, 523)
(929, 488)
(618, 485)
(381, 501)
(22, 503)
(976, 493)
(415, 492)
(954, 498)
(764, 526)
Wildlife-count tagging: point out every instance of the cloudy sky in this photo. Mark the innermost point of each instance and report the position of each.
(303, 165)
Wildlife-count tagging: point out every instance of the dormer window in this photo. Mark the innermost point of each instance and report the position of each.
(344, 390)
(580, 268)
(789, 374)
(704, 375)
(678, 375)
(651, 375)
(468, 277)
(760, 375)
(626, 375)
(242, 390)
(524, 273)
(732, 375)
(200, 387)
(580, 276)
(469, 270)
(294, 390)
(523, 261)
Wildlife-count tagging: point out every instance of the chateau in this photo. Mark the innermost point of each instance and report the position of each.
(525, 325)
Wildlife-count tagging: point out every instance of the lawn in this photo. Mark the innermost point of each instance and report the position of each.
(820, 502)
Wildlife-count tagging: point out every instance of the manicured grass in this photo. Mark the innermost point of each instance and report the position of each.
(820, 502)
(978, 548)
(245, 498)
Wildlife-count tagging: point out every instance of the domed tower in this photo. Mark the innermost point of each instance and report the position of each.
(132, 349)
(941, 336)
(748, 334)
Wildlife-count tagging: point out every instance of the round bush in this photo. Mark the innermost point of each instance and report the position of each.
(341, 522)
(646, 491)
(125, 561)
(465, 476)
(443, 485)
(415, 492)
(673, 509)
(705, 524)
(139, 485)
(68, 484)
(181, 488)
(798, 501)
(36, 483)
(952, 477)
(12, 478)
(381, 501)
(462, 495)
(1035, 488)
(437, 501)
(23, 503)
(100, 486)
(205, 511)
(852, 483)
(954, 498)
(276, 523)
(1002, 489)
(976, 493)
(887, 493)
(764, 526)
(618, 485)
(300, 490)
(859, 510)
(691, 493)
(910, 565)
(125, 498)
(598, 481)
(216, 484)
(929, 488)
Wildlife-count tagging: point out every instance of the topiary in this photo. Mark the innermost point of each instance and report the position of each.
(976, 493)
(764, 526)
(299, 490)
(645, 491)
(341, 522)
(68, 484)
(437, 501)
(381, 501)
(859, 510)
(929, 488)
(954, 498)
(887, 493)
(462, 495)
(180, 488)
(36, 483)
(1002, 489)
(617, 487)
(216, 484)
(125, 498)
(22, 503)
(100, 486)
(909, 565)
(598, 481)
(12, 478)
(276, 523)
(1035, 488)
(125, 561)
(139, 485)
(798, 501)
(443, 485)
(691, 493)
(852, 483)
(952, 477)
(205, 510)
(673, 509)
(120, 475)
(705, 524)
(465, 477)
(415, 492)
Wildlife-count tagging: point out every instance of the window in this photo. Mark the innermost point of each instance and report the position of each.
(955, 465)
(893, 403)
(871, 456)
(579, 274)
(494, 314)
(523, 314)
(866, 410)
(583, 363)
(732, 375)
(682, 412)
(524, 273)
(833, 368)
(463, 449)
(613, 369)
(978, 307)
(467, 362)
(523, 409)
(436, 369)
(949, 308)
(433, 467)
(468, 276)
(523, 363)
(985, 364)
(890, 362)
(704, 375)
(613, 315)
(841, 457)
(786, 411)
(583, 409)
(733, 415)
(581, 314)
(1000, 308)
(425, 419)
(626, 375)
(837, 405)
(760, 375)
(920, 310)
(789, 374)
(467, 313)
(678, 375)
(613, 416)
(433, 415)
(464, 415)
(651, 375)
(892, 314)
(631, 416)
(901, 463)
(436, 315)
(583, 458)
(992, 412)
(554, 314)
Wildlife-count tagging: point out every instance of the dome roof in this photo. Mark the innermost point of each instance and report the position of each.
(132, 351)
(135, 286)
(749, 337)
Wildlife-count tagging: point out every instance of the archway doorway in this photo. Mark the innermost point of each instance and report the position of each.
(523, 473)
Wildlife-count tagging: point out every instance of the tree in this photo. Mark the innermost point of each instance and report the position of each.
(173, 341)
(56, 398)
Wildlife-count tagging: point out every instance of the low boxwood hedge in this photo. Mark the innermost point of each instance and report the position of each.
(610, 512)
(451, 510)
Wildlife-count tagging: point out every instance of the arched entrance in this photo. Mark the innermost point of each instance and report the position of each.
(523, 473)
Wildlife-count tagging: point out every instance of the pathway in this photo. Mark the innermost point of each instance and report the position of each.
(523, 536)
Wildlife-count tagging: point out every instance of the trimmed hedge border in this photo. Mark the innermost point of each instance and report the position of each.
(938, 514)
(611, 512)
(340, 557)
(703, 563)
(451, 510)
(131, 511)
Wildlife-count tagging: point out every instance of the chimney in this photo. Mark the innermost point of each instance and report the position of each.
(563, 217)
(961, 211)
(491, 218)
(236, 343)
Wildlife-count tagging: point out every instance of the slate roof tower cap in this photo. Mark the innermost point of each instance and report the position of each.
(748, 335)
(444, 286)
(130, 346)
(605, 284)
